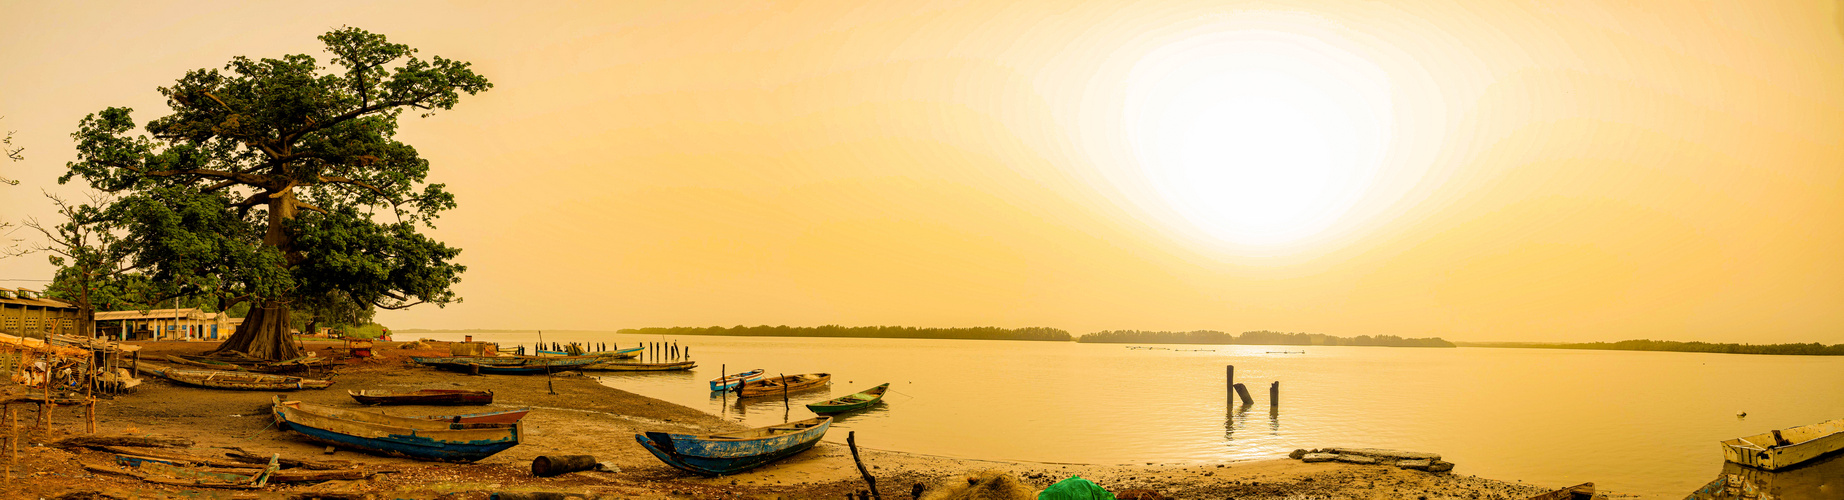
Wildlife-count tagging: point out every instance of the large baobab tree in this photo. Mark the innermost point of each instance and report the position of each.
(274, 180)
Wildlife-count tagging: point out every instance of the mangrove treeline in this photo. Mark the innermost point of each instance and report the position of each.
(1259, 337)
(874, 332)
(1812, 349)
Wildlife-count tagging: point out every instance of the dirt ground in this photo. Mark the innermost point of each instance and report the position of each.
(584, 417)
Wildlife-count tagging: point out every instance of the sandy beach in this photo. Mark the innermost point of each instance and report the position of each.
(584, 417)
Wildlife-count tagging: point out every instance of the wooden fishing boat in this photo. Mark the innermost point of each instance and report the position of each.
(207, 364)
(423, 397)
(496, 417)
(631, 352)
(628, 353)
(418, 438)
(778, 385)
(466, 360)
(1785, 448)
(628, 366)
(730, 381)
(240, 380)
(720, 454)
(853, 402)
(502, 369)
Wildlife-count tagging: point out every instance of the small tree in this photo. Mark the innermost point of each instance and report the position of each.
(85, 251)
(273, 181)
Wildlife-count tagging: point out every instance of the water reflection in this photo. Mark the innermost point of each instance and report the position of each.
(1821, 479)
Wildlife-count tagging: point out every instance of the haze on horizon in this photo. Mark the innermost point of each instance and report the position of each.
(1541, 171)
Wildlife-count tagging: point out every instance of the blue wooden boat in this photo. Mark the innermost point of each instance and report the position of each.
(730, 381)
(418, 438)
(731, 453)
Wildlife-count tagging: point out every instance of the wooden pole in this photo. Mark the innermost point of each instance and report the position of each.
(1229, 387)
(1243, 392)
(784, 397)
(851, 440)
(1274, 394)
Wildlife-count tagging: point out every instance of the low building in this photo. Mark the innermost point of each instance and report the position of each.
(166, 324)
(24, 314)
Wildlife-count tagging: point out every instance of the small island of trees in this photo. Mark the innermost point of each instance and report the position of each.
(1258, 337)
(1812, 349)
(877, 332)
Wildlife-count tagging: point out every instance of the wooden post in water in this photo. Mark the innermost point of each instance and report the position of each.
(784, 397)
(1274, 394)
(1243, 392)
(1229, 384)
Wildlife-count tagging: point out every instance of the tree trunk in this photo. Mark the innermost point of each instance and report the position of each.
(263, 334)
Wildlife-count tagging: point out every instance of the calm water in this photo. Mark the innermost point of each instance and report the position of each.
(1642, 423)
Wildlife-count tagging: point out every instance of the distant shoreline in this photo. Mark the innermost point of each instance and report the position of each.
(1812, 349)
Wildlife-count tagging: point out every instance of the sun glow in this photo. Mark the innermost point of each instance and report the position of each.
(1258, 138)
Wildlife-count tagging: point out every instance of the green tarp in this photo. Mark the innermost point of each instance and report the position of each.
(1075, 488)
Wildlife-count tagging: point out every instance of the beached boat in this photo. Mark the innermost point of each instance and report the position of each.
(503, 369)
(160, 471)
(206, 364)
(778, 385)
(1785, 448)
(720, 454)
(730, 381)
(418, 438)
(240, 380)
(631, 352)
(496, 417)
(466, 360)
(423, 397)
(629, 366)
(853, 402)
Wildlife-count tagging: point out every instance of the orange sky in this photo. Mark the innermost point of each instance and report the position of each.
(1549, 170)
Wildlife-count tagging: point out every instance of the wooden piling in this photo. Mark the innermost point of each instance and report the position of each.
(1274, 394)
(1229, 381)
(1243, 392)
(784, 393)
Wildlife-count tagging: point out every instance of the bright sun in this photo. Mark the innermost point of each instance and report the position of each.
(1258, 138)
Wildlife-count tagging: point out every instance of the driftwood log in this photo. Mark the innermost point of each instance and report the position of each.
(137, 441)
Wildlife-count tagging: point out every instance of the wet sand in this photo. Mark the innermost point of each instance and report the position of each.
(584, 417)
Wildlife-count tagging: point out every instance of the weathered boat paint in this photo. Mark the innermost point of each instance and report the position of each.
(240, 380)
(496, 417)
(730, 381)
(419, 438)
(731, 453)
(1785, 448)
(850, 402)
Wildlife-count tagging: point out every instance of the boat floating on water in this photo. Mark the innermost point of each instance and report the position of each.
(1785, 448)
(628, 366)
(731, 453)
(412, 437)
(780, 385)
(423, 397)
(244, 381)
(730, 381)
(852, 402)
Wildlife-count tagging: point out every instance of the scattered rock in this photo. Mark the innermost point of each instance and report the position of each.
(1392, 455)
(1296, 454)
(1318, 457)
(1357, 459)
(1414, 464)
(329, 450)
(1439, 466)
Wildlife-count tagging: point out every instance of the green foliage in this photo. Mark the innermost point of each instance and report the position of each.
(883, 332)
(1258, 337)
(273, 180)
(1812, 349)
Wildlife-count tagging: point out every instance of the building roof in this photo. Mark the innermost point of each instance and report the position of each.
(191, 313)
(36, 302)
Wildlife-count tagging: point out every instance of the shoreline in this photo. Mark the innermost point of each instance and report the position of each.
(587, 417)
